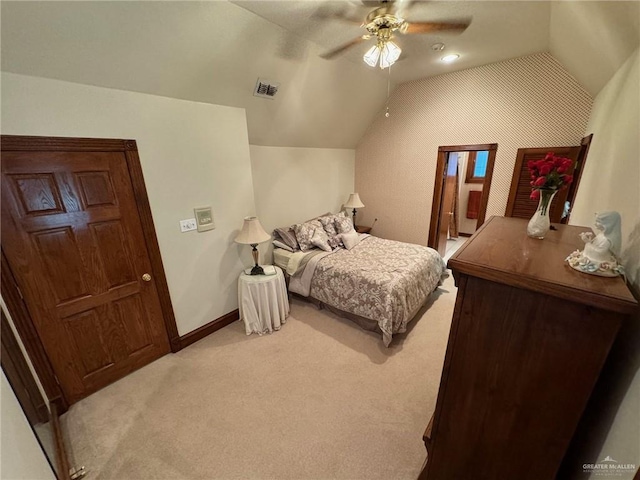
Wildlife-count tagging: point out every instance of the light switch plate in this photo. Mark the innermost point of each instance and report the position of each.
(188, 225)
(204, 218)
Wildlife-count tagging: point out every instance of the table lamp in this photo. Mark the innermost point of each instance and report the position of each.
(354, 202)
(252, 234)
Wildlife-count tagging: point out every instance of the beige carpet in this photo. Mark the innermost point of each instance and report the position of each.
(320, 399)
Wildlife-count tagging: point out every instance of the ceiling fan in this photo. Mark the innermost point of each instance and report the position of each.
(382, 23)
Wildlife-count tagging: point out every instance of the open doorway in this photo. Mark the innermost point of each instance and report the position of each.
(460, 194)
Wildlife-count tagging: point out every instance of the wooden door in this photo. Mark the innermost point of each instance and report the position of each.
(438, 224)
(519, 204)
(449, 180)
(73, 238)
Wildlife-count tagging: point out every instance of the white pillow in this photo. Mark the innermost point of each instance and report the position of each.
(350, 239)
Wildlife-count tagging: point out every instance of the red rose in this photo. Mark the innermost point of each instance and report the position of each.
(567, 163)
(540, 181)
(531, 164)
(562, 169)
(567, 178)
(549, 156)
(535, 195)
(546, 169)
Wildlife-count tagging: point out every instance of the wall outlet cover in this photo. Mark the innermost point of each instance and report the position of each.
(188, 225)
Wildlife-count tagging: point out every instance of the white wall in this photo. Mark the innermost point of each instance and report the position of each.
(207, 51)
(593, 39)
(192, 154)
(20, 456)
(611, 181)
(612, 172)
(292, 185)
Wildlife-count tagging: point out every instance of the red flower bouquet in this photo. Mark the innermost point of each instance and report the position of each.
(549, 173)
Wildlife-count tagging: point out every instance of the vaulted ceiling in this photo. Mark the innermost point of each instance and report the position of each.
(215, 51)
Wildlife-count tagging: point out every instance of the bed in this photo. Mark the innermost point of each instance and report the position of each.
(379, 283)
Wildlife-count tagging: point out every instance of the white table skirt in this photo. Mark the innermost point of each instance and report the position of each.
(263, 302)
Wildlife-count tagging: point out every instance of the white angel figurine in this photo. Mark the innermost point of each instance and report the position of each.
(600, 254)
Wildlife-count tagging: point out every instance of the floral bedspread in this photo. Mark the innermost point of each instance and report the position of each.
(382, 280)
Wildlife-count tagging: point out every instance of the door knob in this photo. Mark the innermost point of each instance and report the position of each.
(146, 277)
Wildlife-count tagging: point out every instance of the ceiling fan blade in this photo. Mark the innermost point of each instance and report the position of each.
(337, 51)
(326, 12)
(429, 27)
(402, 7)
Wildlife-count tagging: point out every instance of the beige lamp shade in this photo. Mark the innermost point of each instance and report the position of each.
(252, 232)
(354, 201)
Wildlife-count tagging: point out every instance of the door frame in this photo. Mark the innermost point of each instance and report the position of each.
(585, 144)
(17, 371)
(438, 189)
(9, 287)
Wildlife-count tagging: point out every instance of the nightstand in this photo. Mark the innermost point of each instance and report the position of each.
(263, 302)
(363, 229)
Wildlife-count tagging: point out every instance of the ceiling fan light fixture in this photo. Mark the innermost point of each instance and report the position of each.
(372, 56)
(390, 53)
(450, 58)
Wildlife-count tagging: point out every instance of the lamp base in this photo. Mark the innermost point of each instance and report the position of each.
(257, 270)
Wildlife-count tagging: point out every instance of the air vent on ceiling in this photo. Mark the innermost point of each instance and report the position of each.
(266, 88)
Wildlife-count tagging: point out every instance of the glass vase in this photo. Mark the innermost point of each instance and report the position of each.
(540, 223)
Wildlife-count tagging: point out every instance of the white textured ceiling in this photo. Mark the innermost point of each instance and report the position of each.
(498, 31)
(214, 52)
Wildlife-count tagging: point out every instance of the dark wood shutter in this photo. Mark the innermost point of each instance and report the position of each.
(519, 204)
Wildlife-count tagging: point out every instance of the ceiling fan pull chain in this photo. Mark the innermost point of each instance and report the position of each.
(386, 114)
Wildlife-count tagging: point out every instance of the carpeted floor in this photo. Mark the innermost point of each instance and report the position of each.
(320, 399)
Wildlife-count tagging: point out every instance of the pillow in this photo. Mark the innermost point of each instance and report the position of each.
(283, 245)
(335, 241)
(328, 225)
(350, 239)
(287, 236)
(343, 224)
(304, 233)
(320, 240)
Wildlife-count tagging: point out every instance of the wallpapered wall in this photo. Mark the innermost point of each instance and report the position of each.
(524, 102)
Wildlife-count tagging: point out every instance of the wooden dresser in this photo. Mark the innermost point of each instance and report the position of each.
(528, 340)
